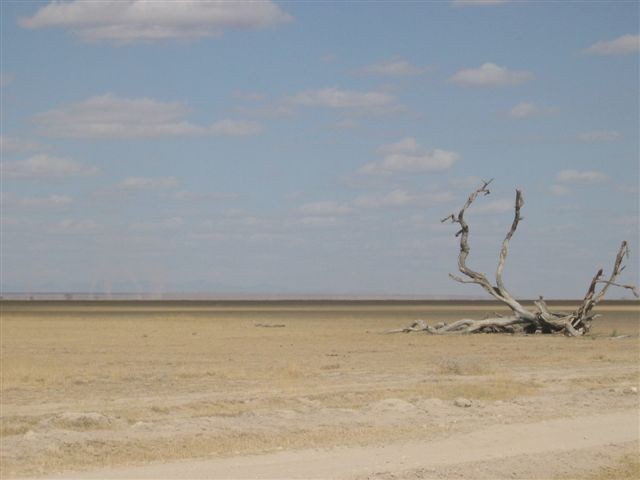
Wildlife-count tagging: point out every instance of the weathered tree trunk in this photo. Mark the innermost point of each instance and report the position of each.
(542, 320)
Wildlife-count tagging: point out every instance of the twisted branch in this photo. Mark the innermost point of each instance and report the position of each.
(504, 251)
(582, 316)
(543, 320)
(463, 233)
(499, 292)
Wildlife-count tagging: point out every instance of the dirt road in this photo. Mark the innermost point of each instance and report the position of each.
(549, 439)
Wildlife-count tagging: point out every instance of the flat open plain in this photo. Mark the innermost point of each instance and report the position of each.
(311, 390)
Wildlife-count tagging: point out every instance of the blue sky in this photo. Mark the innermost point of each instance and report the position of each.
(311, 148)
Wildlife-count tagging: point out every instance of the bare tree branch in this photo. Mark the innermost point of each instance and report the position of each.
(633, 288)
(459, 279)
(544, 320)
(504, 251)
(463, 233)
(617, 268)
(500, 291)
(581, 317)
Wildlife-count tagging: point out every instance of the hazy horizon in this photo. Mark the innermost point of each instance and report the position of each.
(258, 297)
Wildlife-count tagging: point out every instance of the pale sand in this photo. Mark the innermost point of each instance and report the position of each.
(196, 390)
(519, 442)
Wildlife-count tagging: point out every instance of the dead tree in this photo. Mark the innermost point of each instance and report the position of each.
(541, 320)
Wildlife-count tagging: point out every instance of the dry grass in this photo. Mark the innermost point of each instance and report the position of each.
(628, 468)
(498, 387)
(82, 455)
(17, 425)
(467, 365)
(146, 345)
(154, 363)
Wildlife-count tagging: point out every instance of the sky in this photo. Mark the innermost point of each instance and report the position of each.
(311, 148)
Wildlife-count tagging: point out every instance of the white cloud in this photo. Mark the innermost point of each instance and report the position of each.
(392, 68)
(171, 223)
(398, 198)
(466, 3)
(77, 226)
(6, 79)
(50, 201)
(496, 206)
(270, 237)
(467, 182)
(395, 198)
(46, 166)
(145, 183)
(235, 128)
(529, 110)
(248, 96)
(581, 177)
(108, 116)
(559, 190)
(267, 110)
(524, 110)
(628, 189)
(324, 208)
(328, 57)
(600, 136)
(346, 124)
(619, 46)
(121, 22)
(436, 198)
(294, 195)
(318, 221)
(203, 196)
(13, 144)
(407, 156)
(336, 98)
(490, 75)
(406, 145)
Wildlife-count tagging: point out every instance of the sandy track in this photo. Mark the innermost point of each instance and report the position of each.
(489, 444)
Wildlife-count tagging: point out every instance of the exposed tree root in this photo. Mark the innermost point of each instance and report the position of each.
(542, 320)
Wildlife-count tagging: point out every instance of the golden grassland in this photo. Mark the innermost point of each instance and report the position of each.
(627, 469)
(153, 363)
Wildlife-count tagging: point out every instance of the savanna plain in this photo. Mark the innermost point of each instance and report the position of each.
(311, 389)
